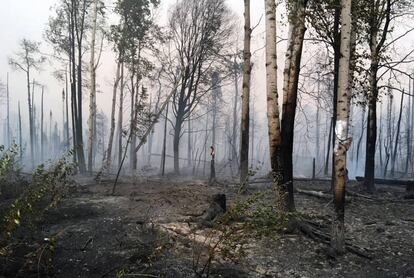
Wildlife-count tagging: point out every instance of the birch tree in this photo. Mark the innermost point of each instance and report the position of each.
(273, 119)
(342, 142)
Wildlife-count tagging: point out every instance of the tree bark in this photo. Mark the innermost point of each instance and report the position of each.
(8, 113)
(328, 150)
(42, 143)
(297, 31)
(360, 136)
(408, 131)
(275, 138)
(245, 118)
(92, 96)
(113, 108)
(79, 132)
(120, 116)
(397, 136)
(20, 134)
(164, 143)
(342, 142)
(176, 142)
(235, 103)
(375, 46)
(31, 128)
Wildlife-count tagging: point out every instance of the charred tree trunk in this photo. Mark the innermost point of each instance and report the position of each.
(120, 116)
(371, 128)
(397, 136)
(67, 110)
(20, 134)
(408, 131)
(8, 134)
(164, 143)
(132, 124)
(388, 140)
(212, 179)
(360, 136)
(189, 142)
(297, 31)
(113, 108)
(176, 142)
(328, 149)
(376, 44)
(235, 104)
(205, 146)
(31, 127)
(79, 126)
(42, 143)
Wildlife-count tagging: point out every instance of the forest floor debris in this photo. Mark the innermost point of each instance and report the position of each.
(147, 230)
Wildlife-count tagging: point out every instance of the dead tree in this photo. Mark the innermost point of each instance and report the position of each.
(20, 134)
(8, 129)
(120, 117)
(28, 59)
(42, 143)
(108, 153)
(397, 136)
(164, 142)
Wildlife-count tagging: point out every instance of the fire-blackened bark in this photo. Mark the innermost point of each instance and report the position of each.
(376, 44)
(290, 89)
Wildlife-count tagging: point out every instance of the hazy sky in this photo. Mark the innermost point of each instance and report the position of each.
(28, 18)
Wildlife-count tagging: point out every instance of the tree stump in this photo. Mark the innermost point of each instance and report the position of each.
(217, 208)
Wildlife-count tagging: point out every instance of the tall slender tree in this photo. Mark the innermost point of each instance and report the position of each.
(297, 12)
(8, 134)
(26, 60)
(273, 118)
(342, 142)
(92, 95)
(245, 106)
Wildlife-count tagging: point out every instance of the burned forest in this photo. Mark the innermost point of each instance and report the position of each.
(207, 138)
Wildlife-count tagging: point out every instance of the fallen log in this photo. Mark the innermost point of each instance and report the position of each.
(268, 180)
(408, 183)
(318, 194)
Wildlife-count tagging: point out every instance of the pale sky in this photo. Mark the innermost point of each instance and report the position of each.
(28, 18)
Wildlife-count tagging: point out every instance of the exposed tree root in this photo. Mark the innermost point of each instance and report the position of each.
(309, 229)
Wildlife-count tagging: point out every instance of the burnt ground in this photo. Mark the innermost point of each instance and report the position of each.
(142, 231)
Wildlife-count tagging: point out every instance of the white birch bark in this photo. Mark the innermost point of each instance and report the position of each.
(342, 141)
